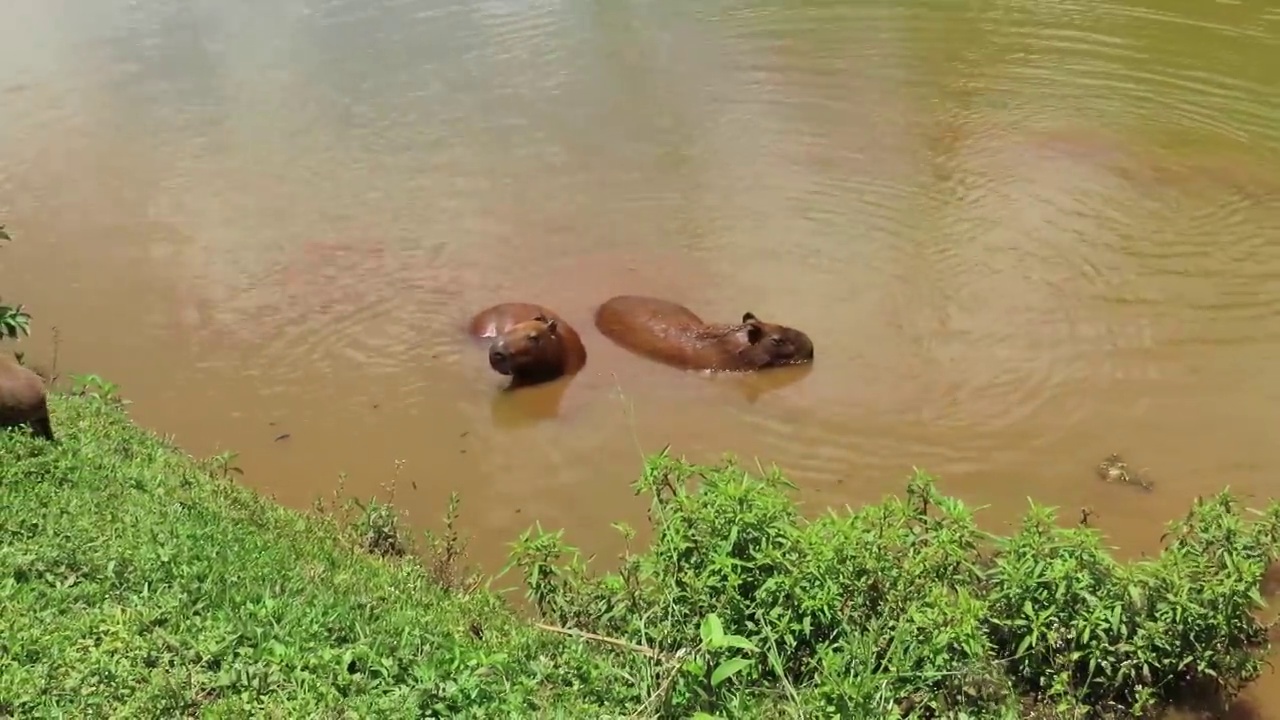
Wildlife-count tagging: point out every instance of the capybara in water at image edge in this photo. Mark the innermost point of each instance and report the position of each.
(23, 400)
(671, 333)
(529, 343)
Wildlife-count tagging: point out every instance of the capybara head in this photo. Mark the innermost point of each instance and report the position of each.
(533, 349)
(768, 345)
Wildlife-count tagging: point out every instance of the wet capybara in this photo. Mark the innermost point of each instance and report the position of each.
(671, 333)
(22, 399)
(529, 342)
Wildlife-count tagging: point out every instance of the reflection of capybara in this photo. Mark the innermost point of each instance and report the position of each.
(670, 333)
(23, 400)
(529, 342)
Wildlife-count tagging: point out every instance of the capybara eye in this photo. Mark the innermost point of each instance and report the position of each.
(535, 338)
(777, 341)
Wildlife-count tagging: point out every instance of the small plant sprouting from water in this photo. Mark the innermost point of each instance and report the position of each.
(379, 529)
(15, 322)
(95, 386)
(380, 525)
(373, 526)
(908, 606)
(223, 464)
(446, 553)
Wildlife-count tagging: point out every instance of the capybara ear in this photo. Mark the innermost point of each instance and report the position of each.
(552, 326)
(755, 333)
(749, 317)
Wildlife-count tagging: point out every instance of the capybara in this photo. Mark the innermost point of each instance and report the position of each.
(22, 399)
(530, 343)
(671, 333)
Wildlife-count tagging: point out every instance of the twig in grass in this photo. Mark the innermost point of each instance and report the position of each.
(647, 652)
(53, 371)
(672, 663)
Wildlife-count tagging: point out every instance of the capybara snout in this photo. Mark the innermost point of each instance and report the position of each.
(499, 358)
(529, 345)
(780, 345)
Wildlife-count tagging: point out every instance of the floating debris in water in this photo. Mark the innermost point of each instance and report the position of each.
(1113, 469)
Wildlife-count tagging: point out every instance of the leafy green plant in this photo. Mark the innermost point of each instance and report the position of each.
(220, 464)
(377, 526)
(15, 322)
(446, 552)
(907, 608)
(379, 529)
(709, 665)
(96, 386)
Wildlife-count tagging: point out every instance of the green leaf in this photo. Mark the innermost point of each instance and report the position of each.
(738, 641)
(727, 669)
(1022, 646)
(712, 630)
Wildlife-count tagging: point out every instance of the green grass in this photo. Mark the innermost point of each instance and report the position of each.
(134, 583)
(138, 582)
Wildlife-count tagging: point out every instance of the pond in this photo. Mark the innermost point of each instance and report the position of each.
(1022, 235)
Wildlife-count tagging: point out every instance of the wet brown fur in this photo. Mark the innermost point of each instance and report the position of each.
(529, 342)
(673, 334)
(23, 400)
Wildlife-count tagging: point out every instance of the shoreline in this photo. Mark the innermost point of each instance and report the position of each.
(152, 583)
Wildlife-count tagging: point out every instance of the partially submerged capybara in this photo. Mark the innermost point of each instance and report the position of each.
(529, 342)
(22, 399)
(671, 333)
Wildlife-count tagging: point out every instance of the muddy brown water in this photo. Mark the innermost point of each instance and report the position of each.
(1023, 235)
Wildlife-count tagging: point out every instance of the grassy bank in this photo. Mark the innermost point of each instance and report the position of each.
(135, 581)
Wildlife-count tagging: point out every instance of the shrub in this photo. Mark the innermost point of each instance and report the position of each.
(907, 607)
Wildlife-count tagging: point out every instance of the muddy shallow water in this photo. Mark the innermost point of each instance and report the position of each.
(1022, 236)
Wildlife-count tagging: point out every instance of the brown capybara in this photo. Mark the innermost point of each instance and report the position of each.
(22, 399)
(528, 342)
(671, 333)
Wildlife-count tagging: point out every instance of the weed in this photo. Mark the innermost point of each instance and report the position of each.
(223, 464)
(15, 322)
(95, 386)
(446, 553)
(907, 607)
(379, 529)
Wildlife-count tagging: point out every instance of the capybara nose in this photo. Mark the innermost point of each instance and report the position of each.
(499, 359)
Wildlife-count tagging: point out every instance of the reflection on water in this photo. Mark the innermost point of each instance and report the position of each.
(1022, 235)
